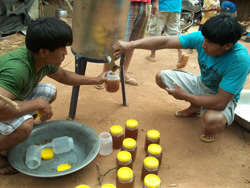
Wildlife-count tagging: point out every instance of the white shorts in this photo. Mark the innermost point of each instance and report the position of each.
(164, 21)
(45, 91)
(193, 85)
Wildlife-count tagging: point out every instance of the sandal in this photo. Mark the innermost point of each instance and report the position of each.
(151, 59)
(207, 137)
(132, 81)
(183, 61)
(100, 87)
(7, 169)
(185, 113)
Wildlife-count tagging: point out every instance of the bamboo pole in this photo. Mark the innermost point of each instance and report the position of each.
(9, 102)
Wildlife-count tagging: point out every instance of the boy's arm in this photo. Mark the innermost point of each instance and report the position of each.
(149, 43)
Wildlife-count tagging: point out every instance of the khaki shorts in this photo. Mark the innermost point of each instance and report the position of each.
(45, 91)
(168, 22)
(193, 85)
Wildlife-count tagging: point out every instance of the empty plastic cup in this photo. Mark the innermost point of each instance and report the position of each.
(106, 143)
(62, 144)
(33, 156)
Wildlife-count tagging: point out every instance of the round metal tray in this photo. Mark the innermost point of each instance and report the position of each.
(242, 111)
(86, 148)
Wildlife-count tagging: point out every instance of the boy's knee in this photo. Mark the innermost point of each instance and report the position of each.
(24, 130)
(158, 80)
(214, 121)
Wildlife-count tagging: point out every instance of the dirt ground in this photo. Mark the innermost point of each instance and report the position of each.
(187, 162)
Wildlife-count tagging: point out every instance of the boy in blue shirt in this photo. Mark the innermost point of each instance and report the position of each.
(224, 66)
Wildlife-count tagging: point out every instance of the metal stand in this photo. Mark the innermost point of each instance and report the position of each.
(80, 68)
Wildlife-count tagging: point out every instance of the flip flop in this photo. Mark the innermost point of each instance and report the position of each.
(207, 137)
(185, 113)
(183, 61)
(151, 59)
(7, 169)
(100, 87)
(132, 81)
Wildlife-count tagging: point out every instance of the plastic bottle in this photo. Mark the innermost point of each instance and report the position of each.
(155, 150)
(131, 129)
(152, 137)
(125, 178)
(150, 166)
(151, 181)
(112, 85)
(129, 144)
(62, 144)
(117, 136)
(33, 157)
(108, 186)
(106, 143)
(124, 159)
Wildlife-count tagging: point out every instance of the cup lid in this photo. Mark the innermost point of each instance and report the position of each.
(125, 173)
(82, 186)
(63, 167)
(113, 75)
(116, 129)
(124, 156)
(47, 153)
(132, 123)
(153, 134)
(129, 143)
(154, 149)
(152, 180)
(151, 162)
(108, 186)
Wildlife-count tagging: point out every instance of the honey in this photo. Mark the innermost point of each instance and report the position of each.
(125, 178)
(151, 181)
(131, 129)
(129, 144)
(150, 166)
(113, 83)
(155, 150)
(124, 159)
(117, 136)
(152, 137)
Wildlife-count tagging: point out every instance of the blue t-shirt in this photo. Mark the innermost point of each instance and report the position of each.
(170, 5)
(230, 5)
(229, 72)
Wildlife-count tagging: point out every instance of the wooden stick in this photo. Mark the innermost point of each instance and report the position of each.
(9, 101)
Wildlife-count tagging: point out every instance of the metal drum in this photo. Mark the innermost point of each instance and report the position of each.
(97, 25)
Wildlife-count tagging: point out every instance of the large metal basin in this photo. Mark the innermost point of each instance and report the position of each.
(242, 111)
(86, 148)
(97, 25)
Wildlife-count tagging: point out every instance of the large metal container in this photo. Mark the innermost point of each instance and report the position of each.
(97, 25)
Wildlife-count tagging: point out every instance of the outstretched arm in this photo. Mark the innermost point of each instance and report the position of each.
(149, 43)
(71, 78)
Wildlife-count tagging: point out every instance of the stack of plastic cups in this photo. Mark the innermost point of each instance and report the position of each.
(106, 144)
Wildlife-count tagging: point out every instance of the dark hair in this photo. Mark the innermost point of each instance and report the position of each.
(48, 33)
(221, 29)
